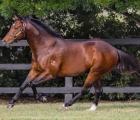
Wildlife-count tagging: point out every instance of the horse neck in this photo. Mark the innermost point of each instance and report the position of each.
(38, 39)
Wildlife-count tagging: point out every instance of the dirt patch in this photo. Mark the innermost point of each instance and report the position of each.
(28, 99)
(5, 99)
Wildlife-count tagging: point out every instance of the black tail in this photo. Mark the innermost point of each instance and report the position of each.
(127, 63)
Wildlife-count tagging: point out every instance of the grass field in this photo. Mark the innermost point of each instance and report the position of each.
(51, 111)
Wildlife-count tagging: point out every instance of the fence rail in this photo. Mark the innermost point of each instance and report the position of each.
(68, 89)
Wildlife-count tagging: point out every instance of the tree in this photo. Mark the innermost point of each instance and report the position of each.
(44, 7)
(70, 9)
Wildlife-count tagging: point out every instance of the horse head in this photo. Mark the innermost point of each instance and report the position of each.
(16, 32)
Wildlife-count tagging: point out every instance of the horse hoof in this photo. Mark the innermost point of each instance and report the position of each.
(10, 105)
(64, 108)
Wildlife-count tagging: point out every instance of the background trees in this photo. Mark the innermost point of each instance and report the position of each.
(82, 19)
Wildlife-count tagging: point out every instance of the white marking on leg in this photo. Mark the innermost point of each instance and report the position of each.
(93, 107)
(64, 108)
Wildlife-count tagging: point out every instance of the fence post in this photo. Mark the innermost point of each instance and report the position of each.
(68, 83)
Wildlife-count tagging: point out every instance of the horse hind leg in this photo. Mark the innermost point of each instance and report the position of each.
(98, 92)
(37, 96)
(86, 88)
(81, 93)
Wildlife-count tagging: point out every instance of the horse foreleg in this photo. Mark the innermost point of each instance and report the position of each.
(15, 98)
(45, 76)
(98, 93)
(31, 76)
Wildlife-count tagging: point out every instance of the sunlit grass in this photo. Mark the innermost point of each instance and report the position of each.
(51, 111)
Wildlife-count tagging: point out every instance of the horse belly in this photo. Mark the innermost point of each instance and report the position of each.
(72, 69)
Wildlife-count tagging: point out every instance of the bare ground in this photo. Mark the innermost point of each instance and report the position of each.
(5, 99)
(28, 99)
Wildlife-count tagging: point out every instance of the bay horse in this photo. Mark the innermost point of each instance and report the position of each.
(53, 56)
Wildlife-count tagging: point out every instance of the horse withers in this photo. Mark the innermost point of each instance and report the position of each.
(53, 57)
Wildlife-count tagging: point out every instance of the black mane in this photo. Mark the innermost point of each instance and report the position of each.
(38, 23)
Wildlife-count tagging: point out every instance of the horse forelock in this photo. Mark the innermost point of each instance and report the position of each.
(40, 24)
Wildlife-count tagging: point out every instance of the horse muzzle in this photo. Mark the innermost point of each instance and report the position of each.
(7, 43)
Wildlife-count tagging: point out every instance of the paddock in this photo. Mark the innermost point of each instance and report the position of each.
(51, 111)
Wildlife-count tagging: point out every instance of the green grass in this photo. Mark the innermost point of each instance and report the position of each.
(51, 111)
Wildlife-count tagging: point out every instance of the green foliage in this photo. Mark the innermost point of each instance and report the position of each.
(43, 8)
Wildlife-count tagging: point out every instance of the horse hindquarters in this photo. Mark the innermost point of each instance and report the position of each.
(102, 63)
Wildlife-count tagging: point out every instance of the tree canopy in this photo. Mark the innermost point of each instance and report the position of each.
(44, 7)
(73, 13)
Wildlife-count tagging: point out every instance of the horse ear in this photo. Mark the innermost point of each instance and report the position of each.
(16, 18)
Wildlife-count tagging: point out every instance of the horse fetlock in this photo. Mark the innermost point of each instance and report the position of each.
(10, 105)
(68, 104)
(42, 98)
